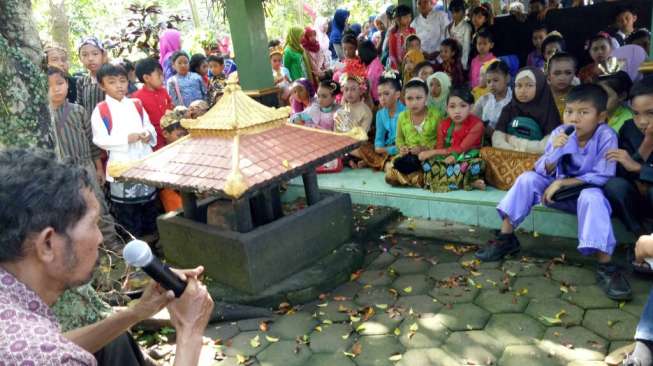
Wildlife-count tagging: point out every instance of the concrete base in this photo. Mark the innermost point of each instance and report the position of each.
(252, 261)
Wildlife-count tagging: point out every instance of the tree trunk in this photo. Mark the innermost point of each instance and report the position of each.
(59, 25)
(24, 115)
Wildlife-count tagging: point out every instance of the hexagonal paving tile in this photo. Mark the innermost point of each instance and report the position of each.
(575, 343)
(409, 285)
(523, 269)
(636, 305)
(527, 355)
(292, 326)
(573, 275)
(376, 278)
(463, 317)
(377, 349)
(381, 323)
(421, 304)
(589, 297)
(442, 271)
(347, 290)
(383, 261)
(332, 338)
(551, 312)
(490, 279)
(496, 302)
(611, 324)
(405, 266)
(469, 261)
(424, 332)
(473, 347)
(538, 287)
(287, 353)
(375, 295)
(427, 357)
(243, 344)
(454, 295)
(329, 359)
(511, 329)
(336, 311)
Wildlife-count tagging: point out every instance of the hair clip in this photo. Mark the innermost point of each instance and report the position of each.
(610, 66)
(333, 85)
(390, 74)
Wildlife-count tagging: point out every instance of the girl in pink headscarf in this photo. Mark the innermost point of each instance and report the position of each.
(169, 43)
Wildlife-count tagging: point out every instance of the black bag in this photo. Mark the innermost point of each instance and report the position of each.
(571, 192)
(407, 164)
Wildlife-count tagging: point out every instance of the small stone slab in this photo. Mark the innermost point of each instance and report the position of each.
(611, 324)
(248, 325)
(524, 269)
(442, 271)
(589, 297)
(381, 323)
(474, 347)
(573, 275)
(527, 355)
(333, 338)
(287, 353)
(513, 329)
(292, 326)
(636, 306)
(383, 261)
(376, 350)
(575, 343)
(222, 331)
(490, 279)
(410, 285)
(371, 296)
(497, 302)
(336, 311)
(463, 317)
(427, 357)
(375, 278)
(455, 295)
(538, 287)
(242, 344)
(329, 359)
(408, 265)
(421, 304)
(430, 332)
(546, 310)
(347, 290)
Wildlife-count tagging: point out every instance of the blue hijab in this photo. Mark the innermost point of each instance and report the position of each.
(338, 25)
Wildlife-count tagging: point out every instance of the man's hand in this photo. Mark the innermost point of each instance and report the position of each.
(154, 299)
(403, 150)
(190, 313)
(547, 197)
(622, 157)
(449, 160)
(560, 140)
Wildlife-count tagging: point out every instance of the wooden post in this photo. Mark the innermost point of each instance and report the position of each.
(311, 188)
(189, 203)
(275, 199)
(261, 205)
(244, 222)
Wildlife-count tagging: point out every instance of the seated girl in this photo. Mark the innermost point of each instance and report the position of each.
(410, 61)
(423, 70)
(617, 86)
(455, 162)
(301, 95)
(417, 132)
(439, 85)
(482, 89)
(600, 50)
(376, 156)
(522, 130)
(489, 106)
(450, 53)
(321, 112)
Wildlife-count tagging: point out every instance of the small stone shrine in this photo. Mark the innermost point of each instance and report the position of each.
(239, 153)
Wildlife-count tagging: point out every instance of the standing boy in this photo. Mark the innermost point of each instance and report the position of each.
(218, 79)
(625, 22)
(560, 75)
(570, 160)
(535, 58)
(154, 97)
(122, 128)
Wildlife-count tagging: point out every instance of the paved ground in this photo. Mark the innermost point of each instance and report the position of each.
(418, 302)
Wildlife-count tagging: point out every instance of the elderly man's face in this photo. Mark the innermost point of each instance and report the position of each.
(76, 260)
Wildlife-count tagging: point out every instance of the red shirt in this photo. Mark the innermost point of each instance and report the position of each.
(469, 136)
(155, 103)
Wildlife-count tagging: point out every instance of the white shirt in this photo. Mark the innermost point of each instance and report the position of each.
(489, 109)
(125, 120)
(431, 30)
(461, 32)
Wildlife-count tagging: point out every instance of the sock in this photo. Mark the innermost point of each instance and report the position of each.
(643, 353)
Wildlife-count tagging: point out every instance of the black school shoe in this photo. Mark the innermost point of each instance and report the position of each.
(497, 249)
(610, 278)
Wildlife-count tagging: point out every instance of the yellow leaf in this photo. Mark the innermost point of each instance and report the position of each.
(241, 359)
(551, 321)
(255, 342)
(327, 321)
(354, 319)
(395, 358)
(343, 309)
(285, 164)
(271, 339)
(397, 332)
(318, 328)
(345, 336)
(413, 327)
(360, 328)
(536, 234)
(564, 289)
(561, 313)
(621, 304)
(349, 354)
(382, 306)
(323, 305)
(408, 289)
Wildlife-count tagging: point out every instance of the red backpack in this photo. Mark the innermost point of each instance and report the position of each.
(105, 113)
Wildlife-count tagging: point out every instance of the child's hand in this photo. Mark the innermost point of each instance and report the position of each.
(403, 150)
(547, 197)
(643, 247)
(133, 137)
(560, 140)
(145, 137)
(622, 157)
(424, 155)
(449, 160)
(416, 150)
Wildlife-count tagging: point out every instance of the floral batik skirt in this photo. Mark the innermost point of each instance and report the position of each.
(442, 177)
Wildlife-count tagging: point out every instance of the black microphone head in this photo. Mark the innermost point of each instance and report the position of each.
(137, 253)
(569, 130)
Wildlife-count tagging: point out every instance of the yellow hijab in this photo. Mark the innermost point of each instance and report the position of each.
(414, 57)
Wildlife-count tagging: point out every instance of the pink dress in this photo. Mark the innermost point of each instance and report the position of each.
(475, 69)
(374, 72)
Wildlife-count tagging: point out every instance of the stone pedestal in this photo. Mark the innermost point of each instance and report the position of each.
(254, 260)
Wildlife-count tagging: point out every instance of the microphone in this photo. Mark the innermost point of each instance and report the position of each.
(137, 253)
(569, 130)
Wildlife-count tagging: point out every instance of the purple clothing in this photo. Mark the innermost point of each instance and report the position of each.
(321, 118)
(587, 164)
(29, 332)
(169, 43)
(535, 59)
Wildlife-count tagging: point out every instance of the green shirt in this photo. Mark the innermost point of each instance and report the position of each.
(620, 115)
(408, 135)
(294, 62)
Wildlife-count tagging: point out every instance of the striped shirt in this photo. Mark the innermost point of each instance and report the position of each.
(73, 136)
(89, 93)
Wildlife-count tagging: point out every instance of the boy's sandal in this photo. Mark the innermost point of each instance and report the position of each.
(642, 268)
